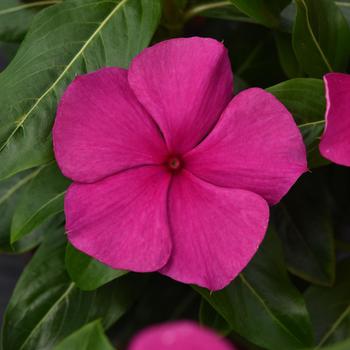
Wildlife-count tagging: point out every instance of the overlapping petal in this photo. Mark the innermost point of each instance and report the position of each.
(215, 231)
(255, 146)
(181, 335)
(184, 84)
(335, 142)
(122, 220)
(101, 128)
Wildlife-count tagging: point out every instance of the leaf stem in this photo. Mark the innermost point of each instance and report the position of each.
(319, 122)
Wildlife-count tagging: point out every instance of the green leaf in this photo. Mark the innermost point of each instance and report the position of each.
(88, 337)
(11, 190)
(286, 55)
(42, 199)
(47, 306)
(265, 12)
(304, 222)
(262, 305)
(16, 16)
(305, 99)
(321, 37)
(71, 38)
(330, 308)
(344, 6)
(212, 319)
(345, 345)
(218, 9)
(86, 272)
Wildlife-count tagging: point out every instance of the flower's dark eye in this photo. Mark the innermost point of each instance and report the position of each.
(174, 163)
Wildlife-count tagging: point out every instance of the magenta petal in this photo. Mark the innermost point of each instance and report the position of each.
(122, 220)
(255, 146)
(215, 231)
(180, 335)
(101, 128)
(184, 84)
(335, 142)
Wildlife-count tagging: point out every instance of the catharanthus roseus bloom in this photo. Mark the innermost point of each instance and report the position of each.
(180, 335)
(335, 142)
(172, 174)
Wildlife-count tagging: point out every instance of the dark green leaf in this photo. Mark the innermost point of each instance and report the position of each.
(86, 272)
(11, 191)
(209, 317)
(305, 99)
(286, 55)
(321, 37)
(42, 199)
(330, 308)
(304, 223)
(47, 306)
(265, 12)
(262, 305)
(16, 16)
(64, 40)
(220, 9)
(88, 337)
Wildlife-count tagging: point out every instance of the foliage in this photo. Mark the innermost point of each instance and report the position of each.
(294, 294)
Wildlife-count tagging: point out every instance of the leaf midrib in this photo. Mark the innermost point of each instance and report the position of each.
(329, 67)
(27, 6)
(262, 302)
(41, 208)
(334, 326)
(19, 184)
(74, 59)
(57, 302)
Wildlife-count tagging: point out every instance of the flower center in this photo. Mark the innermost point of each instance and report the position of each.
(174, 163)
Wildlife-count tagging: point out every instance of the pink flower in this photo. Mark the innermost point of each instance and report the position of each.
(180, 335)
(335, 142)
(172, 174)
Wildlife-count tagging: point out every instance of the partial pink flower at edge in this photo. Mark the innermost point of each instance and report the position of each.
(172, 174)
(335, 142)
(180, 335)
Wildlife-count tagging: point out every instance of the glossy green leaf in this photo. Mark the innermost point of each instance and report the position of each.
(64, 40)
(265, 12)
(42, 199)
(11, 191)
(304, 223)
(321, 37)
(16, 16)
(330, 308)
(47, 306)
(305, 99)
(86, 272)
(262, 305)
(88, 337)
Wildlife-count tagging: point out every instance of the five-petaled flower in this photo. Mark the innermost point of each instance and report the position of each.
(335, 142)
(179, 335)
(171, 173)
